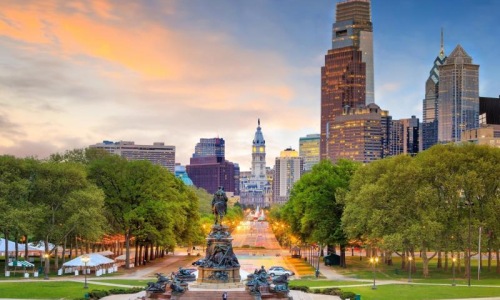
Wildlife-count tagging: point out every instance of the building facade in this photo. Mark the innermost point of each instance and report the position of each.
(489, 110)
(458, 96)
(360, 134)
(430, 103)
(404, 136)
(288, 169)
(158, 153)
(347, 78)
(309, 150)
(256, 190)
(208, 168)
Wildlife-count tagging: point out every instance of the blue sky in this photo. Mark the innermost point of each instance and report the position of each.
(74, 73)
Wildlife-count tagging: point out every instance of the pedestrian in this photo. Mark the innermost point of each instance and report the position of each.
(224, 296)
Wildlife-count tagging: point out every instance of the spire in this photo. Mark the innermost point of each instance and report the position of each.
(441, 52)
(259, 137)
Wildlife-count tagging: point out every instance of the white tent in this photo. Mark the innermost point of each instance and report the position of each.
(12, 248)
(95, 260)
(98, 263)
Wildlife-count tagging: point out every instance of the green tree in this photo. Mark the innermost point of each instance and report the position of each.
(314, 210)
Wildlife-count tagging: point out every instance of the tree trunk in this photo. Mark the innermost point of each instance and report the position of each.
(56, 258)
(25, 246)
(16, 247)
(439, 261)
(127, 250)
(6, 237)
(446, 261)
(425, 261)
(498, 261)
(343, 263)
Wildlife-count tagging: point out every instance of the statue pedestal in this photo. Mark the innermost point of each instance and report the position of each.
(221, 264)
(209, 275)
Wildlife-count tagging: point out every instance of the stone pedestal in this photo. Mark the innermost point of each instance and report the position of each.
(221, 264)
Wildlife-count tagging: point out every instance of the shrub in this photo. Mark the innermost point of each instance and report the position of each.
(300, 288)
(347, 295)
(332, 291)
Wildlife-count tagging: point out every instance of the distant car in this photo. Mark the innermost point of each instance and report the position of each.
(198, 262)
(278, 271)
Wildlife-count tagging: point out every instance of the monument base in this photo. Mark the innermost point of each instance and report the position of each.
(212, 275)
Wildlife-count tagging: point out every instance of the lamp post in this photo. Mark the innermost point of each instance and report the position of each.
(46, 267)
(85, 259)
(374, 261)
(409, 272)
(453, 260)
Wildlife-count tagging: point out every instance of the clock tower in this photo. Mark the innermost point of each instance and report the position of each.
(259, 158)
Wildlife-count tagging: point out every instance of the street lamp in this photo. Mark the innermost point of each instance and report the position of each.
(373, 262)
(85, 259)
(453, 260)
(409, 272)
(46, 268)
(317, 263)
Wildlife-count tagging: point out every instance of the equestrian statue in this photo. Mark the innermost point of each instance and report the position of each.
(219, 205)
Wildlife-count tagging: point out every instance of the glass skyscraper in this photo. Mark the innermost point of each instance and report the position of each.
(347, 76)
(458, 96)
(430, 103)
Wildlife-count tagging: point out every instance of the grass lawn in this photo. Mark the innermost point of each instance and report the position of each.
(131, 282)
(422, 292)
(48, 290)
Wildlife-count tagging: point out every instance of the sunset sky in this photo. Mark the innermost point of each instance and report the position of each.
(75, 73)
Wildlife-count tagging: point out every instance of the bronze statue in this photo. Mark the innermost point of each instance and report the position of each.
(219, 205)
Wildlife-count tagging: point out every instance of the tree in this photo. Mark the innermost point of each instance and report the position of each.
(313, 209)
(70, 203)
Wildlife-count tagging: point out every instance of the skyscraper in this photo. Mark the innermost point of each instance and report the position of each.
(404, 136)
(158, 153)
(288, 169)
(209, 169)
(458, 96)
(309, 150)
(347, 76)
(430, 103)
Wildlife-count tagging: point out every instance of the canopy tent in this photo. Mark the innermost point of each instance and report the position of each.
(20, 247)
(21, 263)
(97, 262)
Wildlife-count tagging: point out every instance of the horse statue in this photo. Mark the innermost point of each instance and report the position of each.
(219, 205)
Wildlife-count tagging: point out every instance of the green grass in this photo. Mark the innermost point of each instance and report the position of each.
(131, 282)
(48, 289)
(421, 292)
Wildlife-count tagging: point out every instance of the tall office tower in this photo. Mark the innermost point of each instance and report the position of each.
(404, 136)
(209, 169)
(347, 76)
(430, 103)
(396, 138)
(361, 134)
(287, 170)
(256, 189)
(210, 147)
(458, 96)
(309, 150)
(158, 153)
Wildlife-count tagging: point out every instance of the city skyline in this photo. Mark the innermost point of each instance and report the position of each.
(77, 73)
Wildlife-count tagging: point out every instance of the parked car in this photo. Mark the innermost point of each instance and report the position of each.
(278, 271)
